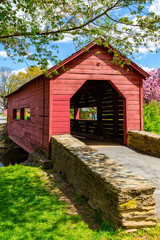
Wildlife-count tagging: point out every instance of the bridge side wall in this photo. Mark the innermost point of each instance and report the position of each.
(124, 198)
(33, 133)
(145, 142)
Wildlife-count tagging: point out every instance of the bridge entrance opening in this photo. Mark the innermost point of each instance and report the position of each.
(96, 111)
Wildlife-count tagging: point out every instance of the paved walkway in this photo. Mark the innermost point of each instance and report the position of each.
(143, 165)
(2, 119)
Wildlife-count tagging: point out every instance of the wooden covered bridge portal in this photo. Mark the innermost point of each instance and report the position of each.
(109, 122)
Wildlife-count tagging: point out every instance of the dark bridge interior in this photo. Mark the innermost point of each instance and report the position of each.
(109, 122)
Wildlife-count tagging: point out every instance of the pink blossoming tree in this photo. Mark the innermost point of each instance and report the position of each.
(151, 87)
(151, 109)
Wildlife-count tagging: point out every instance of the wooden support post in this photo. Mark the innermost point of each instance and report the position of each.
(14, 113)
(75, 126)
(115, 114)
(100, 128)
(99, 111)
(141, 103)
(76, 113)
(22, 113)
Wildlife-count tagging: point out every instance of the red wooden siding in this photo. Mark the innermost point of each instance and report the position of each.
(49, 99)
(91, 66)
(34, 132)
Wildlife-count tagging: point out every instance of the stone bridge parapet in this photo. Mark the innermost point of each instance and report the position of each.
(146, 142)
(124, 198)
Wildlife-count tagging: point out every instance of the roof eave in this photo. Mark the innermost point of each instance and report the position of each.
(76, 54)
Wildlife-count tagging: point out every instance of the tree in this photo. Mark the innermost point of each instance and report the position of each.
(151, 108)
(151, 87)
(31, 29)
(5, 73)
(151, 115)
(17, 80)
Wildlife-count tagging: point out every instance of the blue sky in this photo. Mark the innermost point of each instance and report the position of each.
(144, 59)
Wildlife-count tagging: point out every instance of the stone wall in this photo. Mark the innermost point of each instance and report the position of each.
(124, 198)
(145, 142)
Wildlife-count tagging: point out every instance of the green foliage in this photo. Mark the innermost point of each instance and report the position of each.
(30, 212)
(3, 132)
(151, 115)
(85, 113)
(31, 29)
(17, 80)
(6, 138)
(72, 113)
(88, 113)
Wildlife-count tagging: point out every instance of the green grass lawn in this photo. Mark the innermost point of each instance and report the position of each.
(29, 211)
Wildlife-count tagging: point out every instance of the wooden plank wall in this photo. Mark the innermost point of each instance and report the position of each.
(34, 132)
(91, 66)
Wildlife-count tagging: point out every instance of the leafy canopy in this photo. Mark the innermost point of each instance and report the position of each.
(31, 29)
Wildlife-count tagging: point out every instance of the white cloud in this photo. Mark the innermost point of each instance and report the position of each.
(3, 54)
(144, 50)
(148, 69)
(139, 57)
(151, 46)
(67, 39)
(19, 70)
(50, 64)
(155, 7)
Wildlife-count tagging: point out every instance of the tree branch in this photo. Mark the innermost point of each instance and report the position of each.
(114, 20)
(62, 30)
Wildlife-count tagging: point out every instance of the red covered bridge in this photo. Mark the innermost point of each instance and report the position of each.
(41, 107)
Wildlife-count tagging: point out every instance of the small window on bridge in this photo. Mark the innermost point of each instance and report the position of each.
(27, 114)
(16, 114)
(88, 113)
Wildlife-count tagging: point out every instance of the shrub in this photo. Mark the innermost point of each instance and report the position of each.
(151, 114)
(151, 87)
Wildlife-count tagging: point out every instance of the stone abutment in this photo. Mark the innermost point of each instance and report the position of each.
(124, 198)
